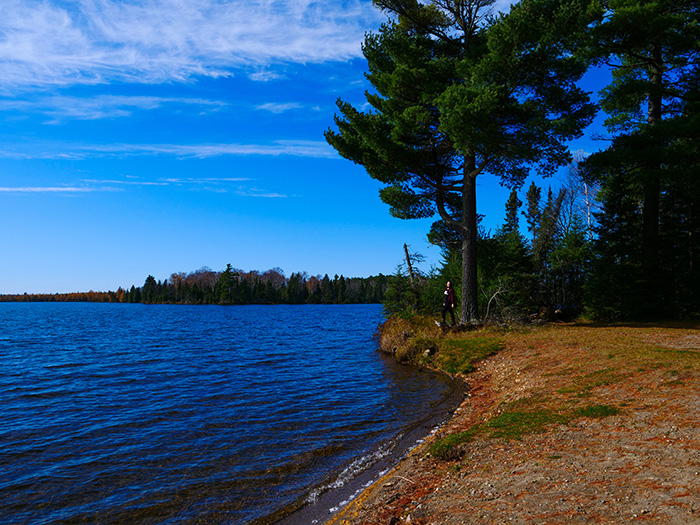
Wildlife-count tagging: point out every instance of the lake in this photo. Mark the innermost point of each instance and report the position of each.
(129, 413)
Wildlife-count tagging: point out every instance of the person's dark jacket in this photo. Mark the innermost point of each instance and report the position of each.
(449, 297)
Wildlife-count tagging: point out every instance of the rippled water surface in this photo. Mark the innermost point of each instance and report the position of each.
(117, 413)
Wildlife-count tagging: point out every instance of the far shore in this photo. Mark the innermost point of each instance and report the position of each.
(567, 422)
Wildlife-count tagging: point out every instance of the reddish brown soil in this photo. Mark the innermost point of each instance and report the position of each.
(640, 465)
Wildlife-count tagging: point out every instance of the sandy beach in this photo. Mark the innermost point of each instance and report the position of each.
(637, 460)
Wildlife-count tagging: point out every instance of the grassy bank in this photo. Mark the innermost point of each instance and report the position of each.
(616, 404)
(419, 341)
(577, 363)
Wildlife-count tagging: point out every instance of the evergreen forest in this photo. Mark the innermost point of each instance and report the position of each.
(231, 286)
(459, 93)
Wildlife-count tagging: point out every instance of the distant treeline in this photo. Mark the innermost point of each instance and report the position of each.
(231, 286)
(75, 297)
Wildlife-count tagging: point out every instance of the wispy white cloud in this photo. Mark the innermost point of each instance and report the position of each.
(130, 182)
(316, 149)
(49, 189)
(295, 148)
(230, 185)
(47, 42)
(206, 180)
(265, 75)
(274, 107)
(61, 108)
(220, 185)
(256, 192)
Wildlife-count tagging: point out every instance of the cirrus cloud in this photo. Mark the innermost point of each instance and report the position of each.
(49, 42)
(61, 108)
(293, 148)
(230, 185)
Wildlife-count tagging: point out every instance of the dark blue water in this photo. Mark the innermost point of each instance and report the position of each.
(116, 413)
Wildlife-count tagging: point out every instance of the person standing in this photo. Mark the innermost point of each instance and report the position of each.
(448, 303)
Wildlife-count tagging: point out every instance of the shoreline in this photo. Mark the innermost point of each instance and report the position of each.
(639, 459)
(335, 494)
(401, 471)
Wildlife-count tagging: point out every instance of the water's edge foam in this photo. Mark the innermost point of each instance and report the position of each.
(338, 491)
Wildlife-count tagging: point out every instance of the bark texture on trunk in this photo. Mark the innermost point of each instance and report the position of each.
(652, 186)
(470, 305)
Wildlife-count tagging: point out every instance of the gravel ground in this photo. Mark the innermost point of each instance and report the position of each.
(641, 464)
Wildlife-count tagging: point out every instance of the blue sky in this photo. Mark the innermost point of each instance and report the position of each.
(156, 136)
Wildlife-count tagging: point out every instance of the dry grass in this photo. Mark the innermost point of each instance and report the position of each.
(421, 342)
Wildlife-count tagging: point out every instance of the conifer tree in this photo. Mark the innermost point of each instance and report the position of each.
(457, 96)
(149, 291)
(652, 105)
(224, 286)
(512, 222)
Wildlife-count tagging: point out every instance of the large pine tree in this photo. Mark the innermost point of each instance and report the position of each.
(652, 104)
(458, 95)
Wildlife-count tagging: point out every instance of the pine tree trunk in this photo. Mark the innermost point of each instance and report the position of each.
(470, 305)
(652, 189)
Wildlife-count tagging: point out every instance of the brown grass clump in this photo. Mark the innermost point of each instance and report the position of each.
(406, 338)
(421, 341)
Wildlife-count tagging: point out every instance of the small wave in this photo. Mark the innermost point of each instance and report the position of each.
(64, 365)
(51, 394)
(351, 471)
